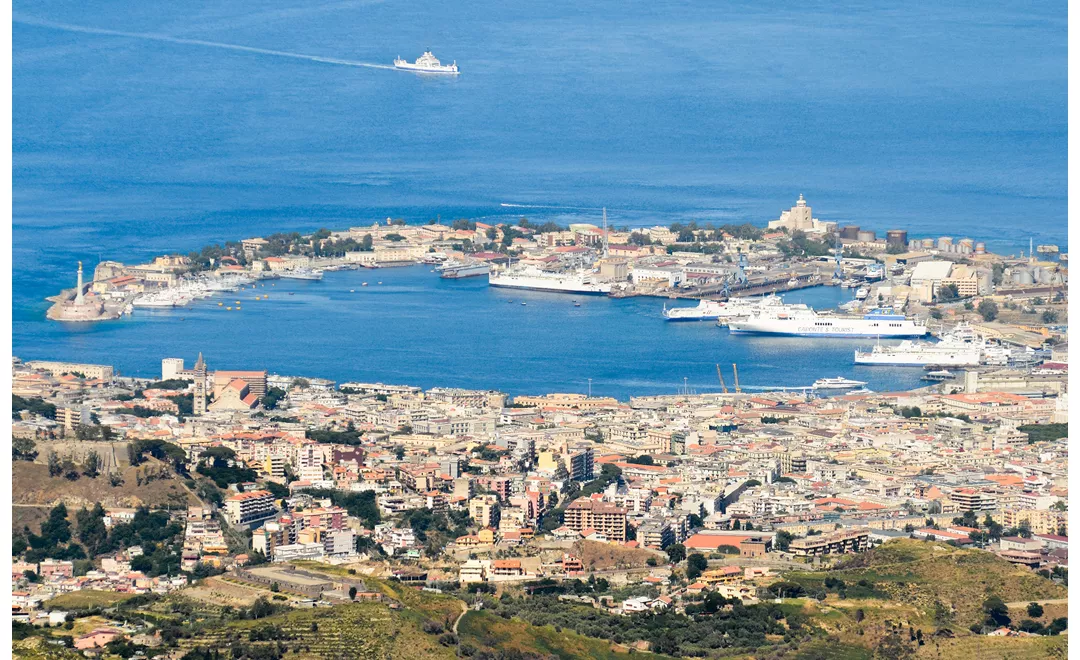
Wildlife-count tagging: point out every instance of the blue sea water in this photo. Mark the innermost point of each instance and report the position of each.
(941, 118)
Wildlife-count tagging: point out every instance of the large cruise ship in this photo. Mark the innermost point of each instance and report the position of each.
(427, 63)
(960, 348)
(712, 310)
(805, 322)
(531, 277)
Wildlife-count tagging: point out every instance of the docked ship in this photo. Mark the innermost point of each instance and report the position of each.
(712, 310)
(837, 383)
(530, 277)
(805, 322)
(458, 271)
(959, 348)
(427, 63)
(302, 274)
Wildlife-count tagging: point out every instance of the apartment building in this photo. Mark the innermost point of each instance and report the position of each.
(249, 509)
(604, 517)
(841, 542)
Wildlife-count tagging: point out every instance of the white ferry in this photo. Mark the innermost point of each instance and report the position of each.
(960, 348)
(805, 322)
(531, 277)
(427, 63)
(837, 383)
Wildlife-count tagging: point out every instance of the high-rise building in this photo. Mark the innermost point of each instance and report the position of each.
(199, 403)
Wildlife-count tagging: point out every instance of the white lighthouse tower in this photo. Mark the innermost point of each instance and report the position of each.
(79, 291)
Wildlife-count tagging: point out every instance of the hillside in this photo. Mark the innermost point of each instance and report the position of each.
(486, 631)
(33, 487)
(604, 556)
(355, 630)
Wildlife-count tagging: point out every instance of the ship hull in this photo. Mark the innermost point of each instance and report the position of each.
(553, 288)
(419, 69)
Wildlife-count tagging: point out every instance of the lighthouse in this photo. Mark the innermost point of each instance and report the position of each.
(78, 291)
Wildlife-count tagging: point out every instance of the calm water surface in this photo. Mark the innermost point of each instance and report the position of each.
(940, 119)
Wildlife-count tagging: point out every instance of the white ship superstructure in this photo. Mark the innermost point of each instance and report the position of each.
(531, 277)
(959, 348)
(805, 322)
(427, 63)
(837, 383)
(713, 310)
(460, 270)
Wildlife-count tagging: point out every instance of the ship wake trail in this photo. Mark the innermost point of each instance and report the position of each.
(150, 36)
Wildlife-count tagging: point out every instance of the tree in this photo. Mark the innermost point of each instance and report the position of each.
(997, 612)
(696, 565)
(783, 540)
(352, 593)
(56, 467)
(1034, 610)
(988, 309)
(936, 314)
(23, 449)
(92, 466)
(366, 243)
(1049, 316)
(676, 552)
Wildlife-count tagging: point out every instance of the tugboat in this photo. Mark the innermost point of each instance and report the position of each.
(427, 63)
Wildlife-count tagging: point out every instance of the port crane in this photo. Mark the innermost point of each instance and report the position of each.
(720, 375)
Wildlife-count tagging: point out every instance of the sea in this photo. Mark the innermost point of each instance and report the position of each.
(143, 129)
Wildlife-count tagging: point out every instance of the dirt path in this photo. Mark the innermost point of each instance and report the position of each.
(1053, 601)
(464, 611)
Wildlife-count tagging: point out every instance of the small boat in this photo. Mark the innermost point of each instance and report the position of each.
(229, 308)
(380, 282)
(363, 284)
(350, 291)
(291, 293)
(523, 304)
(221, 304)
(577, 304)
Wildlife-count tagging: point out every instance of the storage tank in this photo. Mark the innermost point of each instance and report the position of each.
(944, 243)
(980, 248)
(867, 236)
(928, 244)
(850, 232)
(896, 237)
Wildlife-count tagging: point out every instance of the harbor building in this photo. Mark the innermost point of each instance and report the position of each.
(96, 371)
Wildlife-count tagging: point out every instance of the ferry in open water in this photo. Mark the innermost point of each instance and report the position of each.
(427, 63)
(806, 322)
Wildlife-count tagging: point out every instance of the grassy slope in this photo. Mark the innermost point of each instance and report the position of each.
(86, 599)
(485, 630)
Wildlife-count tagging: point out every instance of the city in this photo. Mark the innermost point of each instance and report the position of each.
(497, 331)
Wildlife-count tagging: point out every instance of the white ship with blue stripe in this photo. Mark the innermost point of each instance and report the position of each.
(805, 322)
